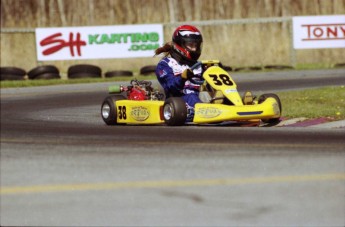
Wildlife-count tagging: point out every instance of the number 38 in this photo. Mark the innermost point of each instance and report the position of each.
(221, 79)
(122, 112)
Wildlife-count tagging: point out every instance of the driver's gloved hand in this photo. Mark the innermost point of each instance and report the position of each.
(187, 74)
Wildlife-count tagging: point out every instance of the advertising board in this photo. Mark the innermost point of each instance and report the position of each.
(121, 41)
(313, 32)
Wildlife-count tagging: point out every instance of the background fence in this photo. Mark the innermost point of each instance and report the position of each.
(238, 32)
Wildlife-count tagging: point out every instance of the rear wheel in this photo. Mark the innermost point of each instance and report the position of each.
(175, 111)
(262, 98)
(108, 110)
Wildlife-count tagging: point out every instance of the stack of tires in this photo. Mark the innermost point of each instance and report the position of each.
(339, 65)
(116, 73)
(148, 70)
(77, 71)
(44, 72)
(84, 71)
(12, 73)
(280, 67)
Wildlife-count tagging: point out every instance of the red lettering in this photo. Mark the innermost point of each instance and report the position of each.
(308, 26)
(343, 30)
(324, 32)
(318, 32)
(60, 43)
(50, 40)
(334, 32)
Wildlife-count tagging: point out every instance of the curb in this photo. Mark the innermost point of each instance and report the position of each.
(333, 124)
(291, 121)
(322, 122)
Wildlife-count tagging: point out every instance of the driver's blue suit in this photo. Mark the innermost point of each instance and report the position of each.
(168, 72)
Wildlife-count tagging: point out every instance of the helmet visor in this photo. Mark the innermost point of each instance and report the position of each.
(192, 45)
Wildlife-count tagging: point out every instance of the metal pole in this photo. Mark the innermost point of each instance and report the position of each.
(172, 11)
(293, 57)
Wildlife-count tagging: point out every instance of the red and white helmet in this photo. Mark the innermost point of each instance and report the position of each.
(187, 43)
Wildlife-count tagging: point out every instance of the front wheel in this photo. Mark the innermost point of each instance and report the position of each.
(108, 109)
(175, 111)
(262, 98)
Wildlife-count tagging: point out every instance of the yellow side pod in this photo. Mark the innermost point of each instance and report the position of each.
(210, 113)
(139, 112)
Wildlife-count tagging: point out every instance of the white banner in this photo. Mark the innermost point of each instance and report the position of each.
(122, 41)
(312, 32)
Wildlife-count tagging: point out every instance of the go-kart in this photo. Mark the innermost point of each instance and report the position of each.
(139, 103)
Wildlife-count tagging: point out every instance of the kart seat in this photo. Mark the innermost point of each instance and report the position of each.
(205, 96)
(209, 95)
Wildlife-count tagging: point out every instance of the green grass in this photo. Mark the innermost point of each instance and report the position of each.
(314, 66)
(314, 103)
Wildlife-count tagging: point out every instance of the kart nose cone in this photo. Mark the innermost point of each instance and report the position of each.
(105, 111)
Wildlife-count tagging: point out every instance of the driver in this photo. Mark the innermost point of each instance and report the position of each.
(173, 70)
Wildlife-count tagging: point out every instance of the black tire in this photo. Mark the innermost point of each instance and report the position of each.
(108, 109)
(227, 68)
(280, 67)
(47, 76)
(12, 71)
(255, 68)
(11, 77)
(175, 111)
(262, 98)
(84, 70)
(44, 69)
(249, 68)
(118, 73)
(339, 65)
(147, 70)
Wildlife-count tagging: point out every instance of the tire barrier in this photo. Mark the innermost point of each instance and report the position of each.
(148, 70)
(249, 68)
(339, 65)
(47, 76)
(84, 71)
(12, 73)
(227, 68)
(91, 71)
(44, 72)
(118, 73)
(280, 67)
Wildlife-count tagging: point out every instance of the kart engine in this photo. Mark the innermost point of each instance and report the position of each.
(142, 90)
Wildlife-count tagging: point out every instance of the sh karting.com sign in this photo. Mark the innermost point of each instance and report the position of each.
(123, 41)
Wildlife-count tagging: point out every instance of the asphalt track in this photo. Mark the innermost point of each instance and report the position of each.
(62, 166)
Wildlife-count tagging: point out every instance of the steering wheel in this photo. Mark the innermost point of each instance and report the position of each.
(196, 65)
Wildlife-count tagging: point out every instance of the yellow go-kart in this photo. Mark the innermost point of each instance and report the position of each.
(139, 103)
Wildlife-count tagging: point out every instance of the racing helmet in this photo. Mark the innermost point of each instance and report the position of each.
(186, 43)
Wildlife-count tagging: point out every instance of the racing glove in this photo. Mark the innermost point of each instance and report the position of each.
(187, 74)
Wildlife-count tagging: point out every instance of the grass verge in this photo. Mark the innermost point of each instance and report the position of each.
(309, 103)
(314, 103)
